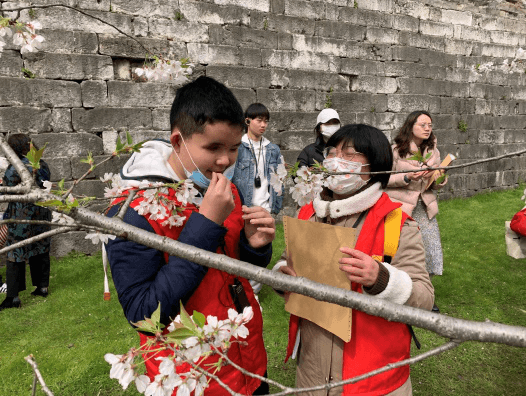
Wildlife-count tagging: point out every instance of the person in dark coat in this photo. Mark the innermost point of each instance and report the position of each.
(37, 253)
(327, 123)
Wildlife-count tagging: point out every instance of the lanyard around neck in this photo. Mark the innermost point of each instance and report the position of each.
(254, 152)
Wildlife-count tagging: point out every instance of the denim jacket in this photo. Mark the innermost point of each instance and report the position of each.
(245, 171)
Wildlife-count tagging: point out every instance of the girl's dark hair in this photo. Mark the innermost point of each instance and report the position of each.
(20, 144)
(256, 110)
(372, 143)
(405, 135)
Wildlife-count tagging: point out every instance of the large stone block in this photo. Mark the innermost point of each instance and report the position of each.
(282, 23)
(436, 43)
(25, 119)
(485, 91)
(74, 241)
(320, 45)
(101, 119)
(412, 102)
(357, 16)
(292, 121)
(180, 31)
(411, 8)
(240, 77)
(161, 118)
(372, 84)
(60, 168)
(505, 38)
(259, 5)
(491, 137)
(382, 36)
(378, 52)
(243, 36)
(11, 64)
(61, 120)
(424, 86)
(287, 100)
(359, 102)
(69, 42)
(39, 92)
(128, 48)
(206, 13)
(130, 94)
(68, 144)
(456, 17)
(250, 57)
(298, 60)
(94, 93)
(499, 51)
(301, 79)
(406, 23)
(359, 67)
(79, 67)
(149, 7)
(475, 34)
(218, 54)
(296, 140)
(305, 9)
(458, 47)
(245, 96)
(375, 5)
(340, 30)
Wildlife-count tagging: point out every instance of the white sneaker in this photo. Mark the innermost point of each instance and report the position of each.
(3, 288)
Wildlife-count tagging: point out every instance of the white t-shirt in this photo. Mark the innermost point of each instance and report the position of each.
(261, 195)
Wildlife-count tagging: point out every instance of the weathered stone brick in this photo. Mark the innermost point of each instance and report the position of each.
(61, 120)
(11, 64)
(100, 119)
(500, 107)
(412, 102)
(243, 36)
(357, 16)
(79, 67)
(436, 43)
(60, 167)
(67, 42)
(499, 51)
(381, 85)
(505, 38)
(379, 52)
(24, 119)
(340, 30)
(297, 60)
(281, 23)
(241, 77)
(245, 96)
(382, 36)
(287, 100)
(376, 5)
(284, 41)
(180, 31)
(305, 9)
(73, 241)
(218, 54)
(151, 7)
(277, 6)
(484, 91)
(259, 5)
(211, 13)
(474, 34)
(161, 118)
(140, 27)
(94, 93)
(320, 45)
(130, 94)
(457, 106)
(300, 79)
(39, 92)
(458, 47)
(250, 57)
(406, 23)
(412, 8)
(292, 121)
(128, 48)
(294, 140)
(359, 102)
(358, 67)
(69, 144)
(456, 17)
(407, 69)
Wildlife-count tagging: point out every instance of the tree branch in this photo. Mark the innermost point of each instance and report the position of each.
(39, 237)
(127, 203)
(34, 365)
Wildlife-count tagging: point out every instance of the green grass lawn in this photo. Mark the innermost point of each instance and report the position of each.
(70, 331)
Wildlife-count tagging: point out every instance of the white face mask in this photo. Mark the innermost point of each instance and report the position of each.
(329, 130)
(344, 184)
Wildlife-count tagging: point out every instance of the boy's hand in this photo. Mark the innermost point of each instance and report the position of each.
(218, 201)
(359, 267)
(260, 228)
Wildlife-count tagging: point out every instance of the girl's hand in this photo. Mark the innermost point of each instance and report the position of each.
(359, 267)
(260, 228)
(287, 270)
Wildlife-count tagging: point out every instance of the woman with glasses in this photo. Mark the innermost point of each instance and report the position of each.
(359, 201)
(411, 189)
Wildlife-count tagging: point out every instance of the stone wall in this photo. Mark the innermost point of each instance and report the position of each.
(374, 60)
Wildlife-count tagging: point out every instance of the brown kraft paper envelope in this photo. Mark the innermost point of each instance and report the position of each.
(314, 249)
(436, 174)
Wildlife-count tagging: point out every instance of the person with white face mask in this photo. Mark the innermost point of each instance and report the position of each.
(371, 266)
(327, 123)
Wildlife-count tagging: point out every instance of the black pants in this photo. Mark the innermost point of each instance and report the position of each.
(39, 267)
(263, 388)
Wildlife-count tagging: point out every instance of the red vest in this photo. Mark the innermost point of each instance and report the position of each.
(375, 342)
(212, 297)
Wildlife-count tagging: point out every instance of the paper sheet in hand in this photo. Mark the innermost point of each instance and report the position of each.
(436, 174)
(314, 249)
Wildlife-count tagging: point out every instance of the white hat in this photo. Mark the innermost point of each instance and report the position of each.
(327, 115)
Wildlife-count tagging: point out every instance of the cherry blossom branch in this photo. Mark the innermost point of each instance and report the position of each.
(126, 205)
(38, 375)
(25, 175)
(443, 348)
(18, 9)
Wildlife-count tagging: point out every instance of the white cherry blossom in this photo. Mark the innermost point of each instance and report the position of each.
(97, 237)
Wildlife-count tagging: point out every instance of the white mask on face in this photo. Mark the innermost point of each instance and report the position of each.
(329, 130)
(344, 184)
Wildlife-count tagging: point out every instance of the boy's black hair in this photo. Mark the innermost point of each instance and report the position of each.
(369, 141)
(201, 102)
(257, 110)
(20, 143)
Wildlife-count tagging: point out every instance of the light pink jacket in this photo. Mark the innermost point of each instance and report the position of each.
(408, 193)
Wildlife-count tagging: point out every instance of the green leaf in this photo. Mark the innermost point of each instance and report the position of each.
(61, 184)
(129, 138)
(118, 145)
(53, 202)
(428, 155)
(185, 318)
(35, 155)
(440, 179)
(181, 334)
(199, 319)
(156, 315)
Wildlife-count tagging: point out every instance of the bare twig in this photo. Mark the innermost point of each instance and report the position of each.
(18, 9)
(126, 205)
(39, 237)
(76, 182)
(34, 365)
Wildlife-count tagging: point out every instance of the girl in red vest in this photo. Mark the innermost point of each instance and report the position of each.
(359, 201)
